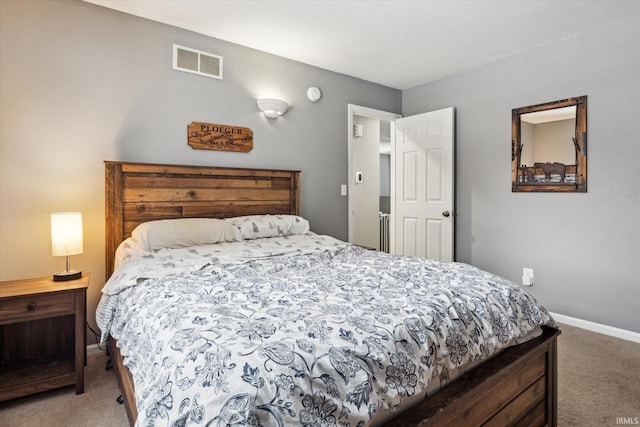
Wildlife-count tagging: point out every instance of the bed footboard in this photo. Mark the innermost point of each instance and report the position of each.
(518, 387)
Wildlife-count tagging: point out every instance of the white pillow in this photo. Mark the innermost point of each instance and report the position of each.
(182, 232)
(259, 226)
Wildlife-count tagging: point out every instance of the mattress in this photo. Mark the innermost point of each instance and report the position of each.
(301, 329)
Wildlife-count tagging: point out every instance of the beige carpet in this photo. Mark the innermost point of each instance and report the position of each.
(96, 407)
(599, 379)
(599, 382)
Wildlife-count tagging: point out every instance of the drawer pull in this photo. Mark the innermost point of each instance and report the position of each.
(31, 306)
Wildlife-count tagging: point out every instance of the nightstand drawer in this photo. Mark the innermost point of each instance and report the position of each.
(37, 306)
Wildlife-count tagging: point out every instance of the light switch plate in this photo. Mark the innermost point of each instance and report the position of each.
(527, 276)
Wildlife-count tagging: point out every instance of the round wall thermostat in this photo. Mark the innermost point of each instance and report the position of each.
(313, 93)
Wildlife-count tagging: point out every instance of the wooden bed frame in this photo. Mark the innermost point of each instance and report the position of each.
(516, 387)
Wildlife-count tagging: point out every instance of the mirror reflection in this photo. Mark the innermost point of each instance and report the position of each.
(549, 146)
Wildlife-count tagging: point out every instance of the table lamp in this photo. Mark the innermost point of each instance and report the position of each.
(66, 240)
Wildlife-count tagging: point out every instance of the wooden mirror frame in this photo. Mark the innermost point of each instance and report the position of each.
(519, 182)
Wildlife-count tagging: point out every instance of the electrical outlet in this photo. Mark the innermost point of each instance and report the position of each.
(527, 276)
(343, 190)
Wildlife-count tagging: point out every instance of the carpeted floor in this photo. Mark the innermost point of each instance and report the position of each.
(599, 384)
(598, 379)
(96, 407)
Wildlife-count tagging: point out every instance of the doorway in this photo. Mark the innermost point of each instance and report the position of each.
(419, 170)
(369, 171)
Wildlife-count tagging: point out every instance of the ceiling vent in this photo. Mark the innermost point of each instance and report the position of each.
(197, 62)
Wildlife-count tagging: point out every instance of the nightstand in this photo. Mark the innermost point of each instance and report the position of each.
(42, 335)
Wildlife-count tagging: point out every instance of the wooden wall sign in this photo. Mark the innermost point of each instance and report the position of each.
(209, 136)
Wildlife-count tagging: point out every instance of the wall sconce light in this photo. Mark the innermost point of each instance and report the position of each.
(272, 108)
(66, 240)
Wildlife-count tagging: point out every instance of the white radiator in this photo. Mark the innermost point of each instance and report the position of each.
(384, 231)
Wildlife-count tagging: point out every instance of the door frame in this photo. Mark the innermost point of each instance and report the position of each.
(358, 110)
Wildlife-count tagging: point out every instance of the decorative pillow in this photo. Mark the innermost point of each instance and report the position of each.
(182, 232)
(259, 226)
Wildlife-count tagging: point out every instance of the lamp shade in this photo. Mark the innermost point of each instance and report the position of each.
(272, 108)
(66, 233)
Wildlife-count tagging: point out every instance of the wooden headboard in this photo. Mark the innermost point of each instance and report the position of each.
(140, 192)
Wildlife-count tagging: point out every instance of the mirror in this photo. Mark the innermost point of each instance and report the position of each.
(549, 147)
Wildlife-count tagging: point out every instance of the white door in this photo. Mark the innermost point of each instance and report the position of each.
(422, 214)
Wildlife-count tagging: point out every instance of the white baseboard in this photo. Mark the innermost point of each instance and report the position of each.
(597, 327)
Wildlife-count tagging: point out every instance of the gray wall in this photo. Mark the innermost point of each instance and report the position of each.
(80, 84)
(584, 248)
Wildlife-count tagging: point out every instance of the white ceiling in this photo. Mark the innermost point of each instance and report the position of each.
(399, 44)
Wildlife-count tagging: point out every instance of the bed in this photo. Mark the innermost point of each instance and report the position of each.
(488, 385)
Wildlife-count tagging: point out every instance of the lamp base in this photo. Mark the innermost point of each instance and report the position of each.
(63, 276)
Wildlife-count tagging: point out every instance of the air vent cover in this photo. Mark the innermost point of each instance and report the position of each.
(197, 62)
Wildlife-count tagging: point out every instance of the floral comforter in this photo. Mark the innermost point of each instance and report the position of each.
(300, 330)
